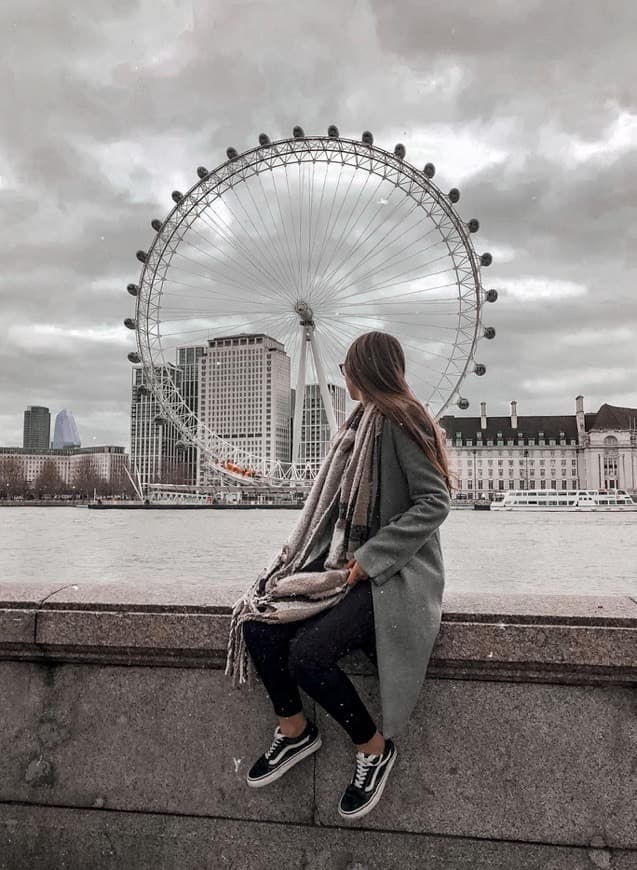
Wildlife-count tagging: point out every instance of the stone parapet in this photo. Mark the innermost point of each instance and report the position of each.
(123, 745)
(564, 638)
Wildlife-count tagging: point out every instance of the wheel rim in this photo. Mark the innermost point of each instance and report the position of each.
(344, 230)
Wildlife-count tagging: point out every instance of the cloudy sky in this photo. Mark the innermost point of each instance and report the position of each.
(528, 106)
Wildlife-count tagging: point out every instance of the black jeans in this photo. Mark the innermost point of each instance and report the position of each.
(292, 654)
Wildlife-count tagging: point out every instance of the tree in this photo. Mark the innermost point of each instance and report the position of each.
(119, 483)
(87, 479)
(13, 480)
(49, 481)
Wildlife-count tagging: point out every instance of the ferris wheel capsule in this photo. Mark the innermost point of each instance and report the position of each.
(177, 196)
(486, 259)
(141, 256)
(134, 357)
(129, 323)
(367, 138)
(454, 195)
(463, 404)
(202, 172)
(298, 132)
(429, 170)
(473, 225)
(489, 332)
(264, 140)
(332, 131)
(232, 153)
(156, 224)
(491, 295)
(133, 289)
(480, 369)
(400, 151)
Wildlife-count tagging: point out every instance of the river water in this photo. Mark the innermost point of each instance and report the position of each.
(565, 554)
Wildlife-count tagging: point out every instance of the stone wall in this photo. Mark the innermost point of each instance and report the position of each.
(122, 744)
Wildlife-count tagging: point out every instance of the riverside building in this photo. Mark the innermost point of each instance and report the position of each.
(244, 394)
(488, 455)
(37, 428)
(153, 439)
(158, 452)
(107, 462)
(315, 429)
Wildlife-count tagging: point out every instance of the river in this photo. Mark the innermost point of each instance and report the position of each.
(565, 554)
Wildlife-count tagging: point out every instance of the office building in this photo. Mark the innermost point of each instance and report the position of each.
(65, 432)
(188, 363)
(244, 394)
(155, 444)
(37, 428)
(315, 430)
(159, 453)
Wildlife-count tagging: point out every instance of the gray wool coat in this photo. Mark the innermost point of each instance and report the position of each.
(404, 563)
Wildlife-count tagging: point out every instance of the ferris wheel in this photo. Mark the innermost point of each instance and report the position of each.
(311, 241)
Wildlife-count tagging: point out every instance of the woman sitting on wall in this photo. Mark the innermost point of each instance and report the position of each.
(362, 569)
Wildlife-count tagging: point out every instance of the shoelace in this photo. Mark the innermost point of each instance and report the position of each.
(276, 743)
(363, 763)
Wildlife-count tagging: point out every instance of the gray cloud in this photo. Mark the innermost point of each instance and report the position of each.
(111, 105)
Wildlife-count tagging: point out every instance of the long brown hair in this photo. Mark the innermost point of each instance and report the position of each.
(375, 364)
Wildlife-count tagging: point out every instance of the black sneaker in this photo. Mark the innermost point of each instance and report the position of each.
(366, 788)
(284, 753)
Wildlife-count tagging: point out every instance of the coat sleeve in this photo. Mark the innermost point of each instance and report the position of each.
(383, 556)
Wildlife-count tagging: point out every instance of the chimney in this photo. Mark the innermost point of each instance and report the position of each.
(514, 415)
(483, 415)
(580, 420)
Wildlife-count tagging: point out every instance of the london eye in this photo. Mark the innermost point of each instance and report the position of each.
(310, 240)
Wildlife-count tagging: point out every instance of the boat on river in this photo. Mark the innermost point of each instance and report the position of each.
(593, 500)
(176, 497)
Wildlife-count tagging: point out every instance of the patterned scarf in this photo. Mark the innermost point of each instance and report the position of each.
(283, 592)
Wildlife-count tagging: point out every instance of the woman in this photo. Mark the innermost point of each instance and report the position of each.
(362, 569)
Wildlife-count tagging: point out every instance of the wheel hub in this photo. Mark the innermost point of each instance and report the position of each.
(304, 310)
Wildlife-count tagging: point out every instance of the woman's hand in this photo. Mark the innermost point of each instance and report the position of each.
(356, 573)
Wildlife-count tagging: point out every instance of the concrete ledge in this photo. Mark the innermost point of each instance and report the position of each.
(119, 736)
(550, 638)
(31, 835)
(17, 627)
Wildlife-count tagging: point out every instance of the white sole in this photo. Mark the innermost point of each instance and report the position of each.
(370, 806)
(287, 765)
